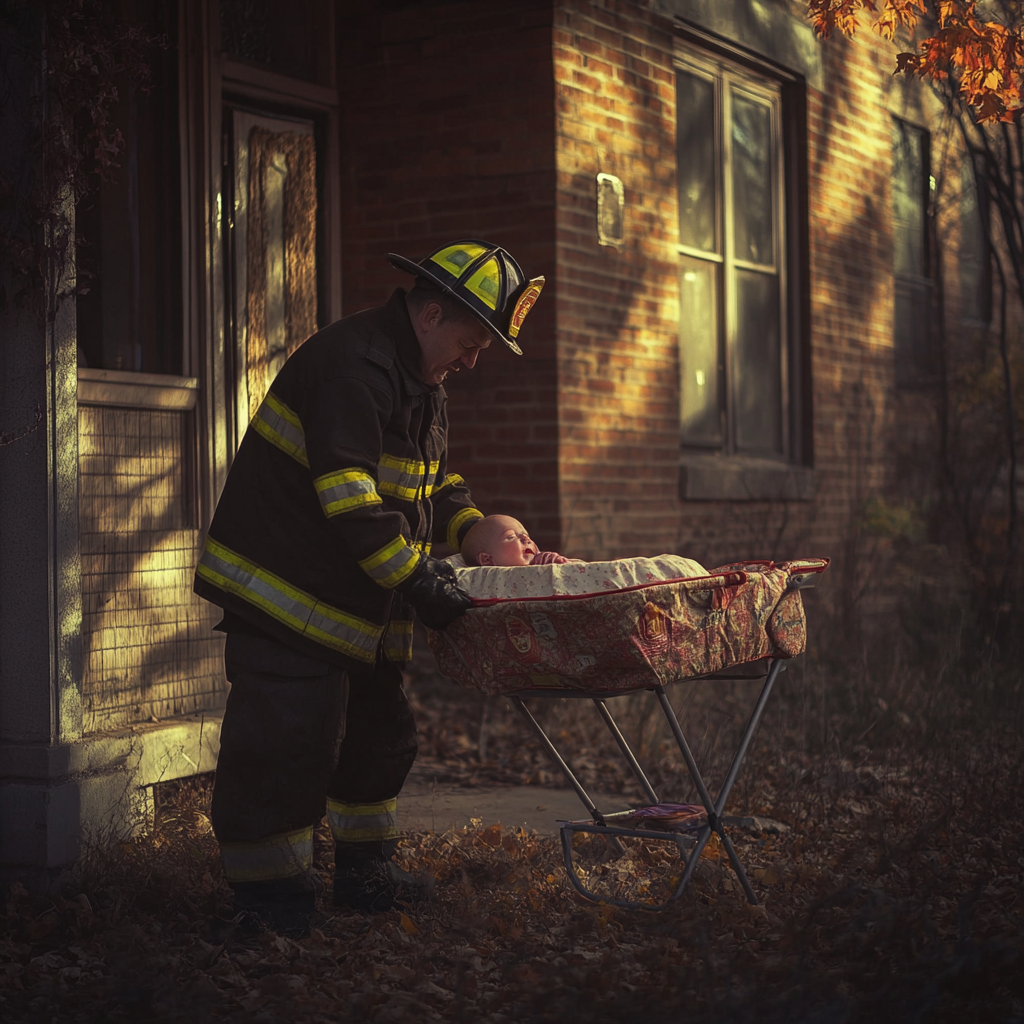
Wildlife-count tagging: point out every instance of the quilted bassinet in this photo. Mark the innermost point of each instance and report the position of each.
(631, 639)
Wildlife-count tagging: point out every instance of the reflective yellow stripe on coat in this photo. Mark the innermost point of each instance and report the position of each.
(363, 823)
(403, 478)
(281, 427)
(346, 490)
(281, 856)
(298, 610)
(392, 563)
(398, 640)
(459, 520)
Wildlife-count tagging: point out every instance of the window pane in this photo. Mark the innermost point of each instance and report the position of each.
(128, 230)
(912, 330)
(757, 384)
(695, 155)
(699, 388)
(752, 180)
(973, 255)
(908, 198)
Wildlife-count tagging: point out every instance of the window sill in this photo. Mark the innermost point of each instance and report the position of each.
(123, 389)
(741, 478)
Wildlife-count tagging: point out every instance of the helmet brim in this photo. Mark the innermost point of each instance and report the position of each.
(401, 263)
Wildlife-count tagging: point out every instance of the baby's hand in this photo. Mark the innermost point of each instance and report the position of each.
(548, 558)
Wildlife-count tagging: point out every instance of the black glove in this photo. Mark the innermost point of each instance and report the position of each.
(435, 593)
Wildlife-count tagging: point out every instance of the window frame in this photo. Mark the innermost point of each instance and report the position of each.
(784, 473)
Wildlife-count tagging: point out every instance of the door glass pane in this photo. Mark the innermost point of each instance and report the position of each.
(757, 384)
(752, 180)
(698, 353)
(274, 302)
(695, 158)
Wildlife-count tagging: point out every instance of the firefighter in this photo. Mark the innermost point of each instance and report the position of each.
(318, 554)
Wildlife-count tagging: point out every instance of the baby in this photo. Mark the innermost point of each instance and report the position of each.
(502, 540)
(496, 547)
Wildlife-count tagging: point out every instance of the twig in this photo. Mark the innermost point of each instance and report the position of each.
(7, 439)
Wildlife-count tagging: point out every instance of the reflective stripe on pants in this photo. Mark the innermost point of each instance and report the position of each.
(363, 823)
(280, 756)
(282, 856)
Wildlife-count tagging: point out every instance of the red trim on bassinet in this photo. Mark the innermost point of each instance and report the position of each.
(712, 581)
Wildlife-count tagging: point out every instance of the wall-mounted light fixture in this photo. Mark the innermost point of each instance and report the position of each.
(611, 211)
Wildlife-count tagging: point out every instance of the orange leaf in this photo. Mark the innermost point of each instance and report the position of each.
(408, 925)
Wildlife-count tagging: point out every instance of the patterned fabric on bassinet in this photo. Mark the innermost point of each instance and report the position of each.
(632, 638)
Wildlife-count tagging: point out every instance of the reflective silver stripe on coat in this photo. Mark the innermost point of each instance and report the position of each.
(392, 563)
(331, 626)
(398, 640)
(345, 490)
(280, 425)
(399, 478)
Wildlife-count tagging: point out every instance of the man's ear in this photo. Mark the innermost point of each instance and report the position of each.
(484, 558)
(430, 315)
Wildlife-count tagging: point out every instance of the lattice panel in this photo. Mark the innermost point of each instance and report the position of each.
(148, 649)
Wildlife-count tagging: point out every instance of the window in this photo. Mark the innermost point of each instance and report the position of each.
(911, 184)
(973, 256)
(734, 348)
(290, 37)
(129, 228)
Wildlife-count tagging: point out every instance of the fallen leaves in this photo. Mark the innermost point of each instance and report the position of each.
(894, 894)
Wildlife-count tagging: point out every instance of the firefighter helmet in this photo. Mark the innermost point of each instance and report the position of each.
(485, 279)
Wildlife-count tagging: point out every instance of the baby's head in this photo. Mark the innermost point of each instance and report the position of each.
(498, 540)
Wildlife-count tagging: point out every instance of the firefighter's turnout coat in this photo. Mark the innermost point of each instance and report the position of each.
(337, 491)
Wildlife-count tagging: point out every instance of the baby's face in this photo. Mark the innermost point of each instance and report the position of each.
(510, 545)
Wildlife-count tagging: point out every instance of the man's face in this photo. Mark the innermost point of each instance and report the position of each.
(509, 545)
(447, 345)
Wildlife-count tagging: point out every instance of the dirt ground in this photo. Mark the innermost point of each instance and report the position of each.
(894, 893)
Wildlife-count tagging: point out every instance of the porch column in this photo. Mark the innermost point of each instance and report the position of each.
(40, 572)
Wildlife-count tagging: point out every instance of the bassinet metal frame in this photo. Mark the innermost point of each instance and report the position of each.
(604, 824)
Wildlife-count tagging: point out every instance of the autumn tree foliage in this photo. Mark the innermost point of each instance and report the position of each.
(981, 46)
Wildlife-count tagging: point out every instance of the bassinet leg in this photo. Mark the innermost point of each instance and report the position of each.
(738, 868)
(748, 735)
(684, 749)
(553, 753)
(627, 752)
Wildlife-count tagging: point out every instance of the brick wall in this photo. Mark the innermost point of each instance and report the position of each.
(618, 309)
(495, 123)
(447, 133)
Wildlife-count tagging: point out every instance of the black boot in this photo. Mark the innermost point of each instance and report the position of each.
(283, 905)
(366, 878)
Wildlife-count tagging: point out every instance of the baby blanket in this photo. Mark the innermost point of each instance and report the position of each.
(573, 578)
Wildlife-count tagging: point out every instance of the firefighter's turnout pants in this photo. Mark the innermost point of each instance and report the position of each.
(298, 735)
